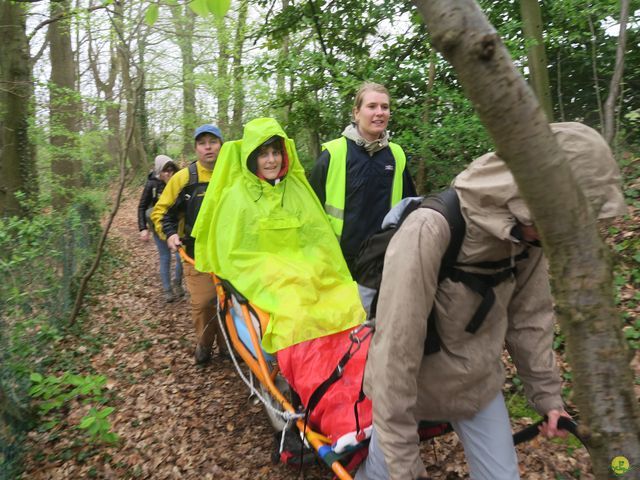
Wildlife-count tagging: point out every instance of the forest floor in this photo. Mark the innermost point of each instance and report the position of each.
(177, 420)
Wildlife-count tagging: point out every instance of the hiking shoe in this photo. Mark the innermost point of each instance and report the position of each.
(178, 290)
(169, 297)
(203, 355)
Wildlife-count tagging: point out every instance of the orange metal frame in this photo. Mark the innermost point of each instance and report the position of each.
(261, 369)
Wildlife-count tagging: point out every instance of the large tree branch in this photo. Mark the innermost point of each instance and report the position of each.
(580, 264)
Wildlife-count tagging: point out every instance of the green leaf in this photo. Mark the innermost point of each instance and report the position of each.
(36, 377)
(87, 422)
(105, 412)
(199, 7)
(151, 15)
(219, 7)
(110, 437)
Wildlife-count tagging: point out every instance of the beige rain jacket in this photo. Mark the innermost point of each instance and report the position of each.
(406, 386)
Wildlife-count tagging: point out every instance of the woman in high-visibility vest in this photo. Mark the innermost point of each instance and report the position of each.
(361, 175)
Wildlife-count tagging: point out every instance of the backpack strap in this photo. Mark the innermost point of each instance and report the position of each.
(318, 393)
(193, 173)
(447, 204)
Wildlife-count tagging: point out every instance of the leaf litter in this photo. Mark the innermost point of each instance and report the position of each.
(177, 420)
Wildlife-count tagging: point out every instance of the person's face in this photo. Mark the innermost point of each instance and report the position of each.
(207, 149)
(269, 162)
(372, 117)
(165, 175)
(529, 233)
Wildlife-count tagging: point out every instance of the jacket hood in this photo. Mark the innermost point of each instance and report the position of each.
(593, 166)
(492, 204)
(351, 132)
(160, 162)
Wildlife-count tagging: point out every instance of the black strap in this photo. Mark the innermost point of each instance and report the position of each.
(432, 343)
(193, 173)
(483, 285)
(500, 264)
(324, 386)
(447, 204)
(361, 397)
(337, 373)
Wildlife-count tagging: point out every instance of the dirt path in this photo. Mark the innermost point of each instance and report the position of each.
(179, 421)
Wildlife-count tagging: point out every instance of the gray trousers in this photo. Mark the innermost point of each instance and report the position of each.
(487, 442)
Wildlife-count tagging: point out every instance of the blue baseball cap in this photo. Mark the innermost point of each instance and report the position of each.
(207, 128)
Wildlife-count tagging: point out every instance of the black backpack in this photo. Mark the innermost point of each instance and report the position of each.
(370, 261)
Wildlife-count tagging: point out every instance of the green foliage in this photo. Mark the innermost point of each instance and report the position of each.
(203, 7)
(98, 427)
(58, 393)
(632, 333)
(88, 148)
(42, 259)
(518, 407)
(626, 245)
(151, 15)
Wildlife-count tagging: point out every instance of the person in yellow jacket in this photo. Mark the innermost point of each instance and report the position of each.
(174, 215)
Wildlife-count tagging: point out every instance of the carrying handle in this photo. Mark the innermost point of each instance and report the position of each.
(564, 423)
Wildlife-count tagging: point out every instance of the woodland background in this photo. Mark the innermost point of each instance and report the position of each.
(91, 91)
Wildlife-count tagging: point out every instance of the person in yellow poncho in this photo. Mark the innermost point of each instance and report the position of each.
(262, 228)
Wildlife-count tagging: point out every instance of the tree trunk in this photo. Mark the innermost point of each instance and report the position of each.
(538, 71)
(609, 129)
(17, 159)
(580, 261)
(131, 87)
(222, 80)
(136, 154)
(64, 108)
(142, 115)
(594, 69)
(107, 87)
(238, 85)
(281, 81)
(315, 147)
(559, 85)
(184, 24)
(421, 175)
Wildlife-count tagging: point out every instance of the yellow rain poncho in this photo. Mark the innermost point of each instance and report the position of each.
(275, 245)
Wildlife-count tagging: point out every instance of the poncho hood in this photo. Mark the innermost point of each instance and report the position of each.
(275, 245)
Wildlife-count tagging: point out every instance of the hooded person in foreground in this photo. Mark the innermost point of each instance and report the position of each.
(462, 381)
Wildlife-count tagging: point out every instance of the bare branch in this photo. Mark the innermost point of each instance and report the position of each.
(60, 17)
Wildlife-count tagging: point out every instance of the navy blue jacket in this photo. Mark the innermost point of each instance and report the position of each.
(368, 193)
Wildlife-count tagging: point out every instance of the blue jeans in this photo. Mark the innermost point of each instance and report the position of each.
(165, 264)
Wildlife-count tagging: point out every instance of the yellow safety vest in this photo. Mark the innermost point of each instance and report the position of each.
(335, 190)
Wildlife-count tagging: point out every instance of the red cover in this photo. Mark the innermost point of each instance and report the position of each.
(306, 365)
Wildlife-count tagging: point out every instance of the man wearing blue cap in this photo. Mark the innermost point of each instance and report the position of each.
(174, 216)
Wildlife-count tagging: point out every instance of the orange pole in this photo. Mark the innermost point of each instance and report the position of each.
(336, 466)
